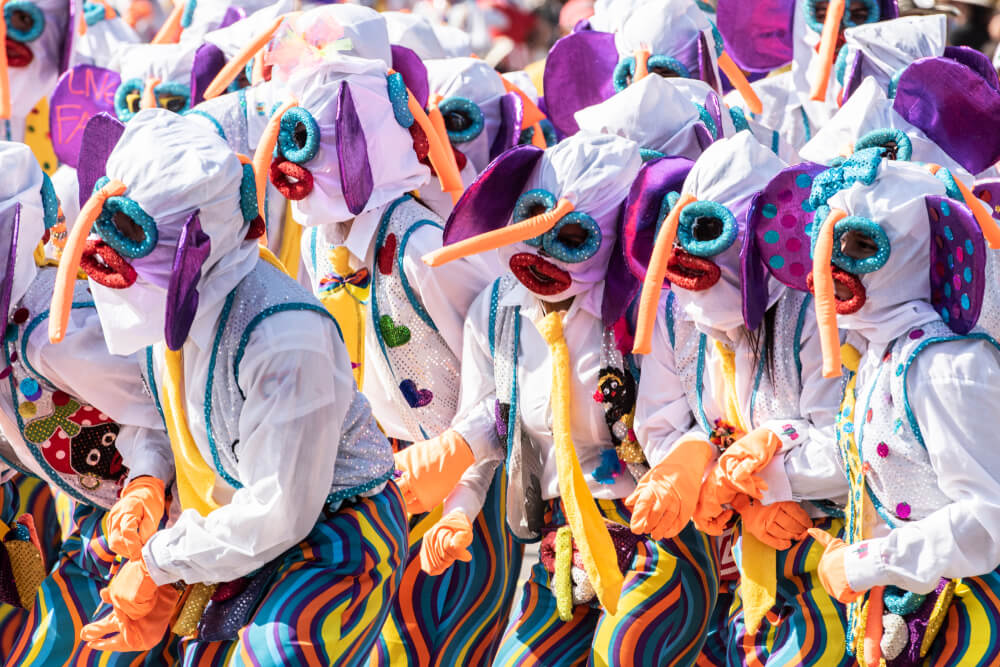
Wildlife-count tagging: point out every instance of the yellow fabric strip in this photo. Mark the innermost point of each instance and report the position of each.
(345, 303)
(195, 478)
(585, 521)
(759, 576)
(290, 253)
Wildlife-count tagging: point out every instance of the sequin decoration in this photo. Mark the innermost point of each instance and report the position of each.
(194, 606)
(609, 469)
(562, 576)
(393, 334)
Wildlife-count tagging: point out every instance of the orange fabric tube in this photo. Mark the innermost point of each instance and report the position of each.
(265, 149)
(873, 627)
(135, 12)
(538, 137)
(641, 65)
(828, 47)
(437, 122)
(987, 223)
(653, 283)
(148, 100)
(826, 301)
(69, 263)
(499, 238)
(531, 113)
(4, 71)
(740, 83)
(170, 32)
(439, 151)
(232, 69)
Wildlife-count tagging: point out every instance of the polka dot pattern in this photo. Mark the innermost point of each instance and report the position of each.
(780, 222)
(958, 262)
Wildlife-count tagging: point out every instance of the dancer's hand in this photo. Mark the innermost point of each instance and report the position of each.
(777, 525)
(140, 613)
(711, 514)
(136, 516)
(429, 470)
(746, 457)
(666, 497)
(832, 569)
(447, 541)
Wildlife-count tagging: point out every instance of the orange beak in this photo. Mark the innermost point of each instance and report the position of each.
(641, 64)
(439, 151)
(828, 47)
(826, 300)
(499, 238)
(652, 285)
(265, 149)
(740, 83)
(232, 69)
(69, 263)
(148, 100)
(170, 33)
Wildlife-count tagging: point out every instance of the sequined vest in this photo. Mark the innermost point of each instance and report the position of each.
(525, 506)
(900, 479)
(424, 367)
(265, 292)
(65, 441)
(770, 399)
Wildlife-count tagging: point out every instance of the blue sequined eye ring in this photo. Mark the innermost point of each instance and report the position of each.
(530, 204)
(870, 229)
(126, 88)
(625, 69)
(135, 87)
(107, 229)
(874, 13)
(667, 205)
(810, 10)
(895, 142)
(466, 111)
(558, 249)
(32, 10)
(400, 99)
(248, 194)
(288, 142)
(706, 210)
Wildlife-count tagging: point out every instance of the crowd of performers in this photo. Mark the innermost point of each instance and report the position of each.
(315, 320)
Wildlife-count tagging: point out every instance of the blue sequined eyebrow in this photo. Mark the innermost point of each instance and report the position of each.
(625, 69)
(469, 110)
(861, 167)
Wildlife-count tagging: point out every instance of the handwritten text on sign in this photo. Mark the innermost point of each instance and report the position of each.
(82, 92)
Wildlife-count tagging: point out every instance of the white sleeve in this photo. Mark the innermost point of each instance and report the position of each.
(298, 386)
(662, 411)
(470, 493)
(809, 466)
(446, 292)
(953, 394)
(82, 366)
(475, 420)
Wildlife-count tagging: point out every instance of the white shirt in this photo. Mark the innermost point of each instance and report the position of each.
(298, 384)
(806, 468)
(583, 330)
(82, 367)
(953, 392)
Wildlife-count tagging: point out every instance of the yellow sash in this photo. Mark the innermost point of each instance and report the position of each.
(345, 301)
(585, 521)
(759, 571)
(291, 243)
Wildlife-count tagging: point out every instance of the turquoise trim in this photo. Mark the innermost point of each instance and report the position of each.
(699, 387)
(669, 313)
(797, 341)
(376, 314)
(512, 412)
(494, 299)
(404, 281)
(338, 497)
(805, 124)
(774, 142)
(152, 384)
(223, 320)
(756, 385)
(204, 114)
(29, 329)
(471, 111)
(188, 15)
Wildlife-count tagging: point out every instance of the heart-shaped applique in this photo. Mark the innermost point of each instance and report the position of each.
(386, 254)
(417, 398)
(393, 335)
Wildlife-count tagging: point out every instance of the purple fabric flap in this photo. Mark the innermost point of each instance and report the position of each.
(10, 226)
(579, 72)
(488, 203)
(232, 15)
(208, 60)
(656, 179)
(706, 63)
(954, 106)
(988, 190)
(414, 72)
(854, 76)
(753, 275)
(976, 61)
(352, 154)
(757, 33)
(620, 284)
(81, 93)
(66, 52)
(511, 116)
(780, 221)
(714, 109)
(99, 138)
(193, 249)
(958, 263)
(890, 10)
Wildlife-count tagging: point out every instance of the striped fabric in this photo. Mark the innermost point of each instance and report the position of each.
(330, 596)
(806, 626)
(663, 615)
(36, 498)
(971, 636)
(456, 618)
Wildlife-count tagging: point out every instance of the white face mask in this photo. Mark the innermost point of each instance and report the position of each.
(131, 318)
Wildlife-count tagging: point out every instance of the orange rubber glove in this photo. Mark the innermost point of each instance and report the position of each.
(747, 456)
(711, 515)
(140, 615)
(832, 571)
(431, 469)
(136, 516)
(666, 497)
(447, 541)
(777, 525)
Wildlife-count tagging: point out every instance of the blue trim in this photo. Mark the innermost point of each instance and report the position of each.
(50, 202)
(805, 124)
(756, 386)
(205, 114)
(774, 141)
(188, 15)
(669, 314)
(739, 119)
(30, 328)
(914, 426)
(404, 281)
(797, 341)
(340, 496)
(152, 383)
(512, 412)
(494, 299)
(699, 386)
